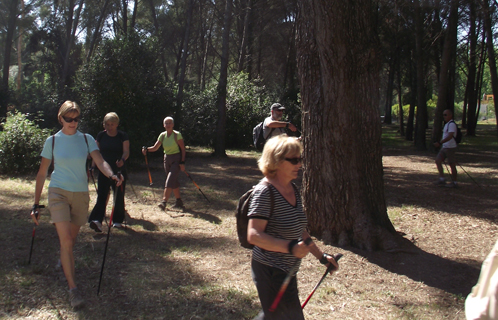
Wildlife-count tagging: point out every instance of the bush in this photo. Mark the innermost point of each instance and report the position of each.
(248, 103)
(21, 142)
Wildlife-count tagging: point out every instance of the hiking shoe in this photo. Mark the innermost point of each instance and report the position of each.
(452, 184)
(96, 225)
(440, 182)
(178, 203)
(162, 205)
(117, 225)
(75, 298)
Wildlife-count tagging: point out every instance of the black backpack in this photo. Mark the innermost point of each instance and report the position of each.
(458, 137)
(241, 214)
(258, 137)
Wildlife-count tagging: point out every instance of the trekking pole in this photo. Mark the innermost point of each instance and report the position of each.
(287, 279)
(93, 179)
(147, 164)
(108, 234)
(35, 210)
(331, 267)
(469, 175)
(197, 186)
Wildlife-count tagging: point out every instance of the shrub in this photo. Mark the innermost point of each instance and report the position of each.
(21, 142)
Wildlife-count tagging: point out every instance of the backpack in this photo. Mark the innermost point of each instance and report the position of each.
(241, 214)
(258, 137)
(458, 137)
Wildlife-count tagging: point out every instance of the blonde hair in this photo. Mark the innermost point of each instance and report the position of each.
(111, 117)
(68, 107)
(275, 151)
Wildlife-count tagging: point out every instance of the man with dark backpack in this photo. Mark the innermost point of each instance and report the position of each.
(271, 126)
(449, 145)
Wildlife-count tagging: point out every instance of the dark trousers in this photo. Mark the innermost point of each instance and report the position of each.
(104, 185)
(268, 281)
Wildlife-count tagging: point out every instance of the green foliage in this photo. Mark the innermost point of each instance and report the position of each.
(21, 142)
(125, 77)
(248, 103)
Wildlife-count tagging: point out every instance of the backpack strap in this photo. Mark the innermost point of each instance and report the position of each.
(448, 128)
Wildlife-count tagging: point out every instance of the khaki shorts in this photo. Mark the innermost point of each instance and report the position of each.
(68, 206)
(447, 153)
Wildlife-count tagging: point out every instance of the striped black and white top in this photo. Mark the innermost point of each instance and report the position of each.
(286, 222)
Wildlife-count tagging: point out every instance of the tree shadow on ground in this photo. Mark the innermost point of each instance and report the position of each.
(455, 277)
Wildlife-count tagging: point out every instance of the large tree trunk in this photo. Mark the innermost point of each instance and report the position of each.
(421, 123)
(445, 96)
(219, 148)
(183, 69)
(471, 88)
(491, 56)
(343, 188)
(11, 27)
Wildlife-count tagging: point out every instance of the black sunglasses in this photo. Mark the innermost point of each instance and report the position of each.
(294, 161)
(69, 120)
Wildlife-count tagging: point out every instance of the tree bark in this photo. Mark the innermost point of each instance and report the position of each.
(183, 67)
(343, 188)
(445, 100)
(491, 56)
(421, 116)
(220, 145)
(471, 88)
(9, 38)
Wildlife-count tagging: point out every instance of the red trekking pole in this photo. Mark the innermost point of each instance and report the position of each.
(35, 210)
(330, 268)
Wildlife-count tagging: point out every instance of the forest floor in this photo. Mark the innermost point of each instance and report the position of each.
(189, 265)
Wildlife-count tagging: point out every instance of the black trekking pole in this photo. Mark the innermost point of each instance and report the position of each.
(331, 267)
(468, 175)
(108, 234)
(36, 213)
(188, 175)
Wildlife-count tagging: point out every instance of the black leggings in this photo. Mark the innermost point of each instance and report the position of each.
(104, 185)
(268, 281)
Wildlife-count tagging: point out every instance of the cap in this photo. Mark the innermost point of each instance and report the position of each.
(277, 106)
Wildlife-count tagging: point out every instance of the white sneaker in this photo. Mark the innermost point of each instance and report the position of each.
(117, 225)
(96, 225)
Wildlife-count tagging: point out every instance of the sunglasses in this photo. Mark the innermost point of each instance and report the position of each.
(294, 161)
(69, 120)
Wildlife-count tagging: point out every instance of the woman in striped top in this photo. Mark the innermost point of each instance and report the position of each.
(278, 230)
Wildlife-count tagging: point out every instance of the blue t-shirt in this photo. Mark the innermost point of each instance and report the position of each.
(70, 154)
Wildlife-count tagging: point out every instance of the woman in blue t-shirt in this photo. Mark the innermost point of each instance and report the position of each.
(277, 229)
(174, 160)
(68, 197)
(114, 146)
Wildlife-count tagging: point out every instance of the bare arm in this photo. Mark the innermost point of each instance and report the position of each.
(126, 153)
(181, 145)
(153, 148)
(104, 167)
(257, 236)
(281, 124)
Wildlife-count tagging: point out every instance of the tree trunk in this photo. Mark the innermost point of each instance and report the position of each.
(69, 44)
(183, 68)
(96, 33)
(343, 188)
(11, 27)
(471, 88)
(400, 100)
(491, 56)
(421, 123)
(389, 93)
(245, 34)
(444, 100)
(19, 50)
(219, 148)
